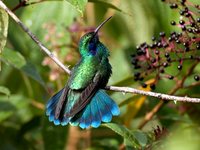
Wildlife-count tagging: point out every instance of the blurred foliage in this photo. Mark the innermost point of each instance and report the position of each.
(28, 77)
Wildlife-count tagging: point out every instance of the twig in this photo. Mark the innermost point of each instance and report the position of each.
(25, 3)
(153, 94)
(113, 88)
(21, 4)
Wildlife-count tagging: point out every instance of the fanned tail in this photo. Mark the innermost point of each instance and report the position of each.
(51, 110)
(100, 108)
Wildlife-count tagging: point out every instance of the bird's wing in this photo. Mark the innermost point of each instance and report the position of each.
(62, 101)
(78, 99)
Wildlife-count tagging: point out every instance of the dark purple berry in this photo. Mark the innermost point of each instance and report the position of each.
(196, 77)
(191, 57)
(186, 9)
(189, 30)
(184, 28)
(153, 38)
(171, 77)
(187, 14)
(196, 30)
(155, 44)
(182, 22)
(181, 12)
(168, 59)
(144, 85)
(166, 54)
(178, 41)
(156, 52)
(151, 46)
(165, 45)
(133, 55)
(159, 44)
(197, 6)
(134, 61)
(173, 23)
(162, 34)
(198, 46)
(140, 52)
(170, 39)
(198, 20)
(187, 49)
(179, 67)
(153, 60)
(137, 66)
(153, 86)
(149, 67)
(162, 70)
(165, 64)
(173, 5)
(141, 78)
(185, 44)
(137, 47)
(183, 2)
(136, 74)
(192, 24)
(143, 44)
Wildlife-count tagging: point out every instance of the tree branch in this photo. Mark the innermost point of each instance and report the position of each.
(153, 94)
(67, 70)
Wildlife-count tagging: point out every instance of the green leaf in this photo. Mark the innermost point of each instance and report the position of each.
(6, 110)
(124, 132)
(14, 58)
(78, 4)
(18, 107)
(141, 138)
(30, 70)
(3, 28)
(134, 139)
(4, 90)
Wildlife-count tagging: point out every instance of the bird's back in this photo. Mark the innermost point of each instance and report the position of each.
(83, 73)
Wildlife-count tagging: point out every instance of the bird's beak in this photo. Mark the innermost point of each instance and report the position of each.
(99, 27)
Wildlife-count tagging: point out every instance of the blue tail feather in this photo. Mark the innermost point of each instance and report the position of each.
(104, 110)
(100, 108)
(65, 121)
(83, 118)
(110, 103)
(96, 120)
(87, 117)
(51, 107)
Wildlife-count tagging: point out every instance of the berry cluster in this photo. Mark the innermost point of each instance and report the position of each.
(173, 50)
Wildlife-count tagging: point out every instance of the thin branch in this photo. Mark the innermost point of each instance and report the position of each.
(113, 88)
(153, 94)
(21, 4)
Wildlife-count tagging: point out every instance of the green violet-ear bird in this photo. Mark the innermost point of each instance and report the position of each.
(82, 102)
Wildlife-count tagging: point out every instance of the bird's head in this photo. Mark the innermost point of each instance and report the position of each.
(88, 42)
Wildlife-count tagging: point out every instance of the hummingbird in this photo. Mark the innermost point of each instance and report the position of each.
(82, 102)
